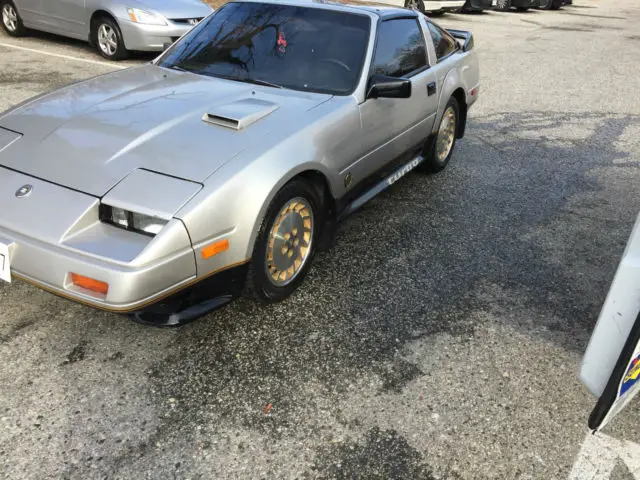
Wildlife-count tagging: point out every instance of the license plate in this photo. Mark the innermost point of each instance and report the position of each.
(5, 262)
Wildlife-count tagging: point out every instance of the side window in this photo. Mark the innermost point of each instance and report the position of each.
(442, 41)
(400, 48)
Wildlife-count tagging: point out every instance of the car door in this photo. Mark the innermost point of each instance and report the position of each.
(611, 364)
(393, 126)
(31, 11)
(67, 17)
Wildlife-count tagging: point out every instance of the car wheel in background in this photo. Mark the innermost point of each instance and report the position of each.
(11, 21)
(466, 8)
(107, 38)
(550, 4)
(503, 5)
(286, 242)
(414, 5)
(439, 148)
(435, 13)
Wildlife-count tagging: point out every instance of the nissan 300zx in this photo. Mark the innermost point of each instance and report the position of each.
(219, 168)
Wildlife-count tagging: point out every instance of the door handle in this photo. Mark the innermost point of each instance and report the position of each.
(431, 88)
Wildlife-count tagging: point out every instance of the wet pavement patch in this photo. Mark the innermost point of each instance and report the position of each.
(396, 375)
(77, 354)
(381, 454)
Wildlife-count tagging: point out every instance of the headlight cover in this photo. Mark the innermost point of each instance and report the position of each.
(145, 17)
(132, 221)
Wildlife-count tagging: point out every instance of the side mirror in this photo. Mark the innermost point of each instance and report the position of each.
(381, 86)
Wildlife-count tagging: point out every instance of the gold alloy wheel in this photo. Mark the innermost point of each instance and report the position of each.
(446, 134)
(289, 243)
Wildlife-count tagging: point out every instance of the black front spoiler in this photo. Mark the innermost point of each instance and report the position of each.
(190, 304)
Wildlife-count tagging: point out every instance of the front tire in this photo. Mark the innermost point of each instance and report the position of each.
(286, 243)
(503, 5)
(107, 38)
(11, 21)
(439, 148)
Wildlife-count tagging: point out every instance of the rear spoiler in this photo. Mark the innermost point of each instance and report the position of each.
(464, 35)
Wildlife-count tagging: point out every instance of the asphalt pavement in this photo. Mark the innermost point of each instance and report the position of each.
(440, 337)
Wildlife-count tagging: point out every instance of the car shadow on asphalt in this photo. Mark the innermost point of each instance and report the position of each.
(519, 207)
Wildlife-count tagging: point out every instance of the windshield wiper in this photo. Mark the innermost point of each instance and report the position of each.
(258, 81)
(255, 81)
(180, 69)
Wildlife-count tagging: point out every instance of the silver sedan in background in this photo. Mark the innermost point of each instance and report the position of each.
(114, 27)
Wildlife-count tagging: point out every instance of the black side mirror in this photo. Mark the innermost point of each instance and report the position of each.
(381, 86)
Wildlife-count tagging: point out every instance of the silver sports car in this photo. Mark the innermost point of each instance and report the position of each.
(114, 27)
(166, 189)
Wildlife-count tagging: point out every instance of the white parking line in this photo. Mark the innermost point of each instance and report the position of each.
(599, 455)
(66, 57)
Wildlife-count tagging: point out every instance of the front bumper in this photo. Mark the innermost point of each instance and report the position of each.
(130, 289)
(54, 232)
(150, 38)
(443, 5)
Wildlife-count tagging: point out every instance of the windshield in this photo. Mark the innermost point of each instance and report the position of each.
(301, 48)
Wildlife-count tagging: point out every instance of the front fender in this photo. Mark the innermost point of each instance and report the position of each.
(235, 199)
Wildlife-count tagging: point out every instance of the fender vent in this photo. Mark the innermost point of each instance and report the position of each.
(240, 114)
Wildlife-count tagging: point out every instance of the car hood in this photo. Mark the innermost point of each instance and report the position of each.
(175, 9)
(91, 135)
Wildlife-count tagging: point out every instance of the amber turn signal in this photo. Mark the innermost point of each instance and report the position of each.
(89, 283)
(215, 248)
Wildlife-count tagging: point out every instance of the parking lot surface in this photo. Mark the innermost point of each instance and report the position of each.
(440, 337)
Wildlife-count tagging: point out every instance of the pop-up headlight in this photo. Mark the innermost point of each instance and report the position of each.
(136, 222)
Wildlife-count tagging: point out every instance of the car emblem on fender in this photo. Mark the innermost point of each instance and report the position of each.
(24, 191)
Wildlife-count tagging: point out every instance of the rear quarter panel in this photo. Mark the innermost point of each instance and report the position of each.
(460, 70)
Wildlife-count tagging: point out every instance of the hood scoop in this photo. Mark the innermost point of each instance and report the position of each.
(240, 114)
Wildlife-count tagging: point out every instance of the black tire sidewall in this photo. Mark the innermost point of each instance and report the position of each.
(121, 52)
(257, 281)
(551, 5)
(21, 29)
